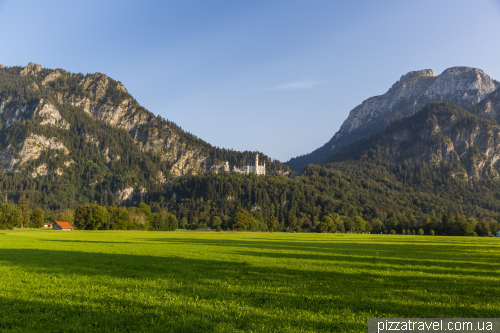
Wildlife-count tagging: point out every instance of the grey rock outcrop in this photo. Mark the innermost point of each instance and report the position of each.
(13, 158)
(31, 69)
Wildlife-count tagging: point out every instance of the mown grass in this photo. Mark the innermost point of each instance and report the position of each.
(85, 281)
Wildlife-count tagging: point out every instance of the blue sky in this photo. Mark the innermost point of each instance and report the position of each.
(275, 76)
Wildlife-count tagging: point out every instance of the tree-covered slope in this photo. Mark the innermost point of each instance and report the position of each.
(409, 195)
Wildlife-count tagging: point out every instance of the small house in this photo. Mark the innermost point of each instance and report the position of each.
(47, 225)
(498, 233)
(58, 225)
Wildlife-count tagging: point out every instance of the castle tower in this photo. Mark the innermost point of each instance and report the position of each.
(256, 164)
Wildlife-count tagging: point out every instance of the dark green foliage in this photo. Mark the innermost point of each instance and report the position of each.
(98, 217)
(241, 220)
(36, 218)
(163, 221)
(272, 222)
(10, 216)
(327, 224)
(81, 217)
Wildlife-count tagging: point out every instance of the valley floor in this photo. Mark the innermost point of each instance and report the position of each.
(108, 281)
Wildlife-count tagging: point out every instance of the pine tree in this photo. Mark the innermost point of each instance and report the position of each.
(24, 206)
(272, 222)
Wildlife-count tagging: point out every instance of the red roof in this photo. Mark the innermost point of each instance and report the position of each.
(65, 225)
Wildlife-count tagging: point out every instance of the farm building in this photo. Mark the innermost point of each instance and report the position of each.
(47, 225)
(63, 226)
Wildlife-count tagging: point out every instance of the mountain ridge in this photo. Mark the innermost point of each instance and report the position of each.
(88, 134)
(109, 101)
(465, 87)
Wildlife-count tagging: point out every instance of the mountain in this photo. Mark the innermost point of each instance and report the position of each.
(440, 132)
(468, 88)
(71, 138)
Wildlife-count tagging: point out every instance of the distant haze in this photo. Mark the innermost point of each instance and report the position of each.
(279, 77)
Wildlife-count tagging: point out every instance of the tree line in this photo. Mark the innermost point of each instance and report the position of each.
(157, 218)
(89, 217)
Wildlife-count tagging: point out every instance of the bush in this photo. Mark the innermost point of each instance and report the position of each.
(218, 228)
(413, 232)
(392, 232)
(420, 232)
(432, 233)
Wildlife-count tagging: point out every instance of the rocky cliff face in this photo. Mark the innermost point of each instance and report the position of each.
(92, 94)
(151, 134)
(441, 132)
(463, 86)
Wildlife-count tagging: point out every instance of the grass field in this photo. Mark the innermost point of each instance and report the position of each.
(85, 281)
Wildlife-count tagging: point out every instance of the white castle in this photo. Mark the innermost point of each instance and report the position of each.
(256, 167)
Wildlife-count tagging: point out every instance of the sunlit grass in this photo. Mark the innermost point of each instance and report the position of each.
(243, 282)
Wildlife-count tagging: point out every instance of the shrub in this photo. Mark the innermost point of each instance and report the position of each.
(420, 232)
(413, 232)
(218, 228)
(432, 232)
(392, 232)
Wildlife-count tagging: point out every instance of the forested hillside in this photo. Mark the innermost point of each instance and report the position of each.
(69, 139)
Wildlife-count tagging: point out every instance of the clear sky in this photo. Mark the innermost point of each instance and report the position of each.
(275, 76)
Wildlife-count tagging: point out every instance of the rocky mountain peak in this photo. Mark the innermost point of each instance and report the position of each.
(465, 87)
(411, 79)
(31, 69)
(415, 74)
(466, 83)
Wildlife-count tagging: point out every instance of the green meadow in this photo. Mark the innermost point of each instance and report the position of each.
(132, 281)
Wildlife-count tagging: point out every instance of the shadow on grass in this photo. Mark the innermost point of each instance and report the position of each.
(86, 241)
(210, 295)
(410, 250)
(135, 292)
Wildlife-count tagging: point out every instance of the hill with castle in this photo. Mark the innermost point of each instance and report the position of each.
(426, 147)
